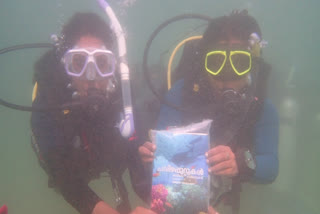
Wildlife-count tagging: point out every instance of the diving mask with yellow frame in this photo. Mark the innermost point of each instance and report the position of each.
(240, 61)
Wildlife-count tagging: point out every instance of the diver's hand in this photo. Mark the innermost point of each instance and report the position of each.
(146, 152)
(222, 161)
(142, 210)
(103, 208)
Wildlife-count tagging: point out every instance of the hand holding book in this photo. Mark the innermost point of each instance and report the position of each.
(222, 161)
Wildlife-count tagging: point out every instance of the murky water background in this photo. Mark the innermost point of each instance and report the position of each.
(290, 26)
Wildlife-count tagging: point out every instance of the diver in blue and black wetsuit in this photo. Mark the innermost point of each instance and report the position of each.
(224, 77)
(77, 145)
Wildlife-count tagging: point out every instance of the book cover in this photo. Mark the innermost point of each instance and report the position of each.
(180, 182)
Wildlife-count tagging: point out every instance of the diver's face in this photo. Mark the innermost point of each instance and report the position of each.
(82, 85)
(238, 83)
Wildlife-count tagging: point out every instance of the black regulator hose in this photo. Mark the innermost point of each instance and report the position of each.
(69, 106)
(29, 108)
(26, 46)
(145, 68)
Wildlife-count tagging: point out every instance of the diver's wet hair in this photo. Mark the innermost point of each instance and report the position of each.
(238, 25)
(83, 24)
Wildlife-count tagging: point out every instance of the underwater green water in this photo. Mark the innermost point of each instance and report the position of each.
(290, 26)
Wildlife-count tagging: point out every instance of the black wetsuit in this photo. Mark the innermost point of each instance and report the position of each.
(73, 147)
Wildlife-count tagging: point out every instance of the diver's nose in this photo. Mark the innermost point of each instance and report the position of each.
(228, 67)
(91, 72)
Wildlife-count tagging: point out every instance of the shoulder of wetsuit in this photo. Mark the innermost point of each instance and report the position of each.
(44, 65)
(48, 71)
(188, 60)
(51, 79)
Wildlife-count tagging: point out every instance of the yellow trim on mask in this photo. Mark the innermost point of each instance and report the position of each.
(234, 68)
(255, 52)
(224, 53)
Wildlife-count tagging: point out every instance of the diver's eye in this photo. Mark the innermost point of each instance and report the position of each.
(102, 62)
(215, 61)
(78, 62)
(241, 62)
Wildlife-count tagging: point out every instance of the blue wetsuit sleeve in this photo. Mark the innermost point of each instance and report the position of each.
(168, 115)
(266, 145)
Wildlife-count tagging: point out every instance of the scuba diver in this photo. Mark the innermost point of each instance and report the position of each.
(78, 144)
(223, 77)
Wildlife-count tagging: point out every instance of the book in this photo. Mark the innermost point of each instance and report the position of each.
(180, 180)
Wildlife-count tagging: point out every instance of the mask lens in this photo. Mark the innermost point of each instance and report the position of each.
(241, 62)
(78, 62)
(215, 62)
(104, 63)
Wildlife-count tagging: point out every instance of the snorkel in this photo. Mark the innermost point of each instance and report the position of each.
(126, 125)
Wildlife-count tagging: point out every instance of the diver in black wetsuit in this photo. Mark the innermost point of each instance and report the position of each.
(75, 146)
